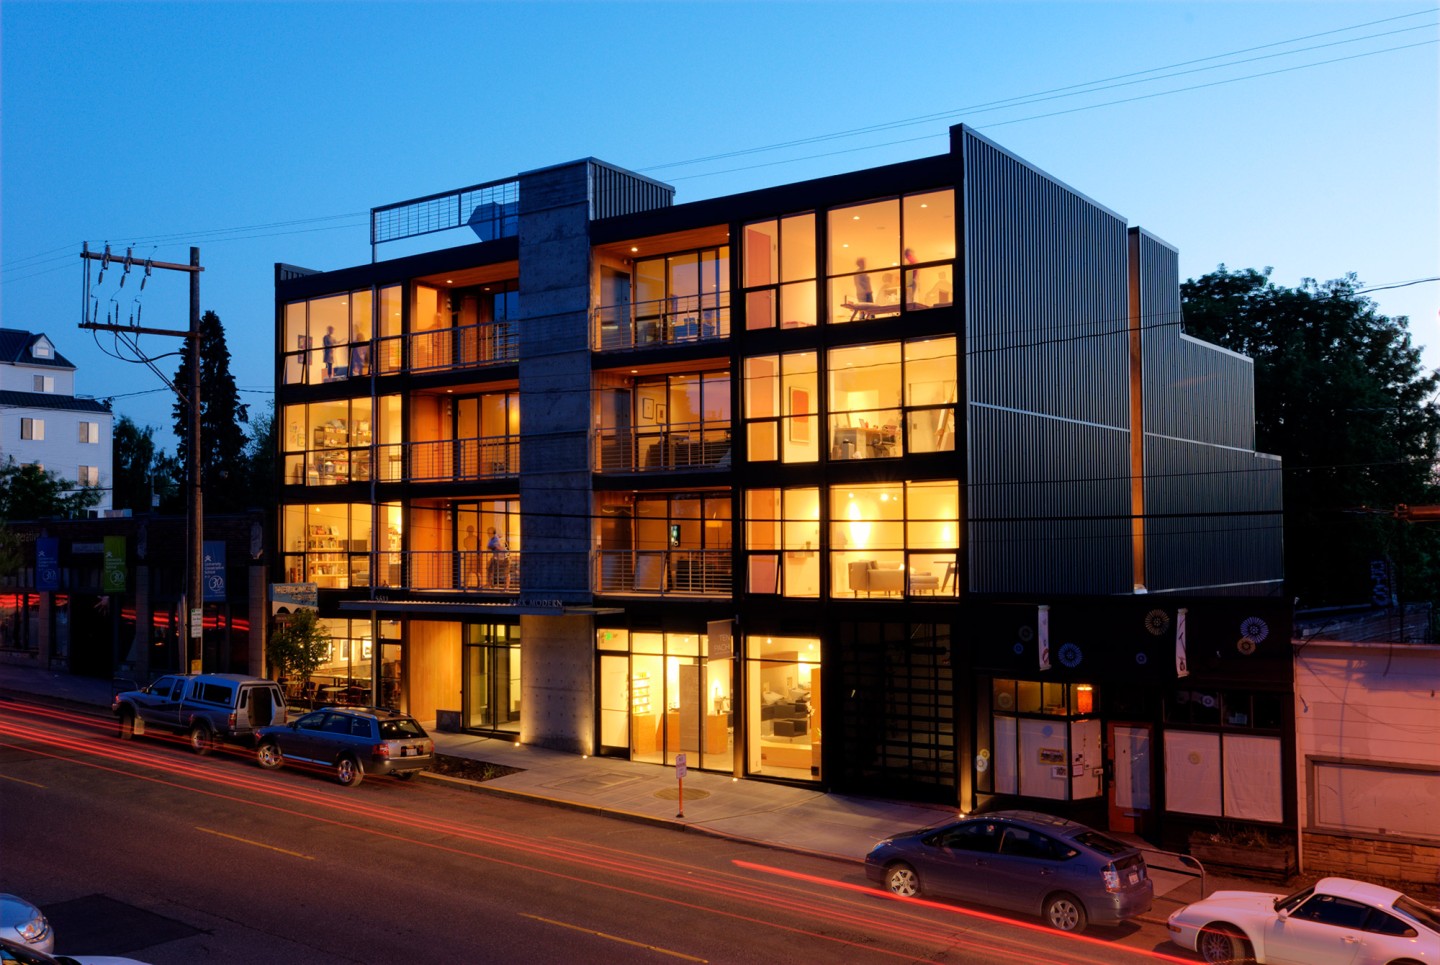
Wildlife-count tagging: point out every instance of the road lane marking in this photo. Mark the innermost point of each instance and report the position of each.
(616, 938)
(258, 844)
(18, 780)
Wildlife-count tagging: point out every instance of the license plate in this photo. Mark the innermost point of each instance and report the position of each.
(1134, 877)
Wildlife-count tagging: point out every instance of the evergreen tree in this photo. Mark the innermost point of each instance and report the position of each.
(223, 472)
(1341, 395)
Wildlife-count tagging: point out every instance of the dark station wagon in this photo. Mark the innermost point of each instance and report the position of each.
(351, 741)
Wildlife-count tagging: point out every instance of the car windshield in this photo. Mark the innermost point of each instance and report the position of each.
(1417, 911)
(1291, 902)
(392, 730)
(1100, 842)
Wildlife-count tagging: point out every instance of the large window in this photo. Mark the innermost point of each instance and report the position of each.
(661, 693)
(890, 398)
(781, 408)
(1222, 753)
(327, 544)
(780, 273)
(331, 443)
(464, 327)
(782, 535)
(328, 338)
(1043, 740)
(491, 695)
(782, 679)
(889, 540)
(889, 256)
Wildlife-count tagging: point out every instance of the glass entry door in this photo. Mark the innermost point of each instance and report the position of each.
(491, 697)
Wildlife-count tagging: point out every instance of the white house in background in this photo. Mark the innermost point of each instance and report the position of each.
(43, 421)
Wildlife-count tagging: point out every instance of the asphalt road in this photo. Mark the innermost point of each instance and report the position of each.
(143, 849)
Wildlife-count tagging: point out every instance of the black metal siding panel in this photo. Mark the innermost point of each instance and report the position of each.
(1036, 526)
(1047, 382)
(615, 191)
(1192, 390)
(1213, 516)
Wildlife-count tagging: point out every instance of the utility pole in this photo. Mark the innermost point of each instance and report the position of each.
(191, 638)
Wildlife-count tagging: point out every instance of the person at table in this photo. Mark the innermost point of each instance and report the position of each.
(863, 292)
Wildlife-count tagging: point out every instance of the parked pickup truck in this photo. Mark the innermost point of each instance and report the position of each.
(208, 708)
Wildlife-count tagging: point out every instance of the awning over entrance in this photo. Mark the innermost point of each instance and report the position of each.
(474, 610)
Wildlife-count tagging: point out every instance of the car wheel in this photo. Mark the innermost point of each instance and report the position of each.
(1065, 913)
(127, 726)
(269, 756)
(901, 879)
(1223, 945)
(201, 740)
(349, 772)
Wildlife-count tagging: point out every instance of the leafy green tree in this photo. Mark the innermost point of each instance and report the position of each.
(298, 645)
(222, 440)
(12, 551)
(260, 452)
(1342, 396)
(29, 492)
(133, 450)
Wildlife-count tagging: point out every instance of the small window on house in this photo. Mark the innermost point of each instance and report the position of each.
(32, 429)
(44, 383)
(89, 476)
(90, 432)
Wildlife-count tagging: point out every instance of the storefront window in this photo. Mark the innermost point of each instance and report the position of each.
(782, 680)
(1042, 741)
(673, 698)
(492, 677)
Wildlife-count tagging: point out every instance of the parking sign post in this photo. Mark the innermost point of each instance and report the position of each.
(680, 780)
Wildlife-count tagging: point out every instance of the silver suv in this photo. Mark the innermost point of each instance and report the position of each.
(208, 708)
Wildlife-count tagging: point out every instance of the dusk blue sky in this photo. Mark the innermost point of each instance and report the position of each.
(264, 133)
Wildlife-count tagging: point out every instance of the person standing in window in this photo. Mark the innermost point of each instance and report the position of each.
(863, 292)
(912, 279)
(329, 352)
(499, 564)
(470, 562)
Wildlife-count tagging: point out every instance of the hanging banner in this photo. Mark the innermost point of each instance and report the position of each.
(47, 563)
(113, 576)
(1182, 669)
(721, 639)
(1043, 625)
(212, 570)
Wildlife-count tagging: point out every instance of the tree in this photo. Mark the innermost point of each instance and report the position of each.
(260, 452)
(29, 492)
(222, 440)
(133, 452)
(298, 645)
(1341, 395)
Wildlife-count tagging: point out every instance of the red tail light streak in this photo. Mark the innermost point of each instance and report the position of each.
(757, 896)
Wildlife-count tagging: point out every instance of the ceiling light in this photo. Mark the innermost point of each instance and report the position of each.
(633, 249)
(854, 217)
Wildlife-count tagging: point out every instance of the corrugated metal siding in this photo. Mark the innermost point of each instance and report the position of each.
(1212, 504)
(615, 191)
(1047, 382)
(1212, 516)
(1036, 525)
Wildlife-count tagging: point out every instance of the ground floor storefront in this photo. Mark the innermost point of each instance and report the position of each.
(1150, 716)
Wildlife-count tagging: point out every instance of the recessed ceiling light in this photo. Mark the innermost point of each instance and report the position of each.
(633, 248)
(854, 217)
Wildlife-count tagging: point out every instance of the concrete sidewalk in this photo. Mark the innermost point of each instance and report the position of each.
(779, 816)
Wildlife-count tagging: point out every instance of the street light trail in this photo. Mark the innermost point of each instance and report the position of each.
(737, 887)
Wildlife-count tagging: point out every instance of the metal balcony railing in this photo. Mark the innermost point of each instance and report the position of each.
(442, 349)
(447, 460)
(673, 572)
(469, 571)
(666, 321)
(678, 446)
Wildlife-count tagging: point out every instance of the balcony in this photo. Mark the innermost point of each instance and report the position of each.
(678, 446)
(668, 321)
(449, 349)
(672, 572)
(449, 460)
(456, 571)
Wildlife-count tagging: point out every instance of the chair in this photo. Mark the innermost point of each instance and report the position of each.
(924, 583)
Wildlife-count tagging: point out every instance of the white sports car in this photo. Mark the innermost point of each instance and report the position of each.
(1336, 922)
